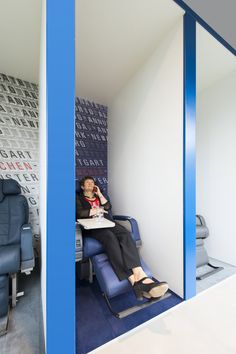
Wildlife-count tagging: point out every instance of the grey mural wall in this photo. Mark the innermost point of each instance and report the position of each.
(19, 129)
(91, 141)
(19, 139)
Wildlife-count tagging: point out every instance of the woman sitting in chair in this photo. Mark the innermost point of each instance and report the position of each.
(117, 242)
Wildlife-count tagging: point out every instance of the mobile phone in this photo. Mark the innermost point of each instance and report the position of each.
(95, 189)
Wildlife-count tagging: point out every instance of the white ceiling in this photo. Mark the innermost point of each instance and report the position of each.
(113, 38)
(214, 61)
(20, 24)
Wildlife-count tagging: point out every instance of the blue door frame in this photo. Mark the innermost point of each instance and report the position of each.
(189, 142)
(60, 34)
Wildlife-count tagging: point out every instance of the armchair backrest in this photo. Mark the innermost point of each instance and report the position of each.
(14, 211)
(201, 228)
(200, 221)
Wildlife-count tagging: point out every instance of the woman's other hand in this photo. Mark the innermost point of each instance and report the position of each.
(93, 211)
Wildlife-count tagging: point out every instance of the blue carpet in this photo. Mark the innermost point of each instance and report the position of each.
(95, 323)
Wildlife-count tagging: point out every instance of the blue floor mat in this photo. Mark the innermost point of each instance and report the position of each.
(95, 323)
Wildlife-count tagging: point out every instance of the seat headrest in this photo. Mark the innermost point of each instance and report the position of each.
(9, 187)
(77, 187)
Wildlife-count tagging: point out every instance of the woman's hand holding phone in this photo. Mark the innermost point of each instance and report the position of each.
(96, 190)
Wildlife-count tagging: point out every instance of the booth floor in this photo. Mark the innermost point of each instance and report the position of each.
(204, 324)
(25, 330)
(216, 278)
(95, 323)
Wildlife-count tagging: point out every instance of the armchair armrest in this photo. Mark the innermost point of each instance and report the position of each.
(27, 252)
(134, 227)
(78, 243)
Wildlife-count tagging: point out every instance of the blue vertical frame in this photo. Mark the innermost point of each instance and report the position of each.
(60, 87)
(189, 156)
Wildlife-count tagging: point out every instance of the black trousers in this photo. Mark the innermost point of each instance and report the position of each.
(119, 247)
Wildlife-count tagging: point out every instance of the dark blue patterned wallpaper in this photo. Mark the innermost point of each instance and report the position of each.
(91, 141)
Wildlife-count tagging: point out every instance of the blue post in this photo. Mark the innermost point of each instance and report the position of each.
(189, 156)
(60, 84)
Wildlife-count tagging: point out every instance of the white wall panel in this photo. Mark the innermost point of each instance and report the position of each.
(145, 156)
(216, 166)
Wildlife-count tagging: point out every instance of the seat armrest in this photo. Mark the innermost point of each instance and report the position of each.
(134, 227)
(78, 243)
(122, 217)
(27, 252)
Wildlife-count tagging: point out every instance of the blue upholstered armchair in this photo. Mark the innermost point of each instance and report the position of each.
(16, 250)
(110, 285)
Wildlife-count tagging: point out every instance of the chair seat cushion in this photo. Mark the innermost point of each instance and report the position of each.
(3, 281)
(108, 280)
(202, 231)
(91, 247)
(201, 256)
(10, 259)
(199, 242)
(4, 295)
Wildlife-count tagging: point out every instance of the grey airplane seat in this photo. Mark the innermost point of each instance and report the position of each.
(16, 248)
(202, 232)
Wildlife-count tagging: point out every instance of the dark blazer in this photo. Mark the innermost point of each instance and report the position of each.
(83, 207)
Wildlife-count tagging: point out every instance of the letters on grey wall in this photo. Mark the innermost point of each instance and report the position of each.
(19, 128)
(19, 139)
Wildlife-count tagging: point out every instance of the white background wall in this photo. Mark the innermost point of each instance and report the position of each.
(216, 166)
(43, 162)
(145, 149)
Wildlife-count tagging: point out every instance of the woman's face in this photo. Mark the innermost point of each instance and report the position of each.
(88, 185)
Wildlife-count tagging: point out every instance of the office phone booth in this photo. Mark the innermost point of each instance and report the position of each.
(61, 139)
(144, 164)
(59, 100)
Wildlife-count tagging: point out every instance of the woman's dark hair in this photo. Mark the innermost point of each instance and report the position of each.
(81, 182)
